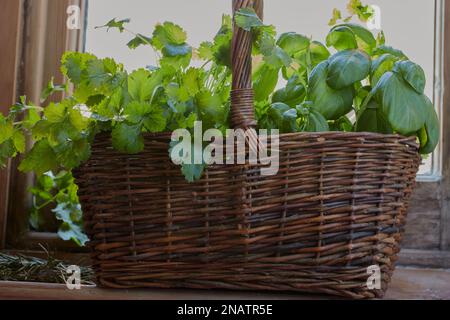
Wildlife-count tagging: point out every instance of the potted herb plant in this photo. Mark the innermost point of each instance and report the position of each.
(350, 114)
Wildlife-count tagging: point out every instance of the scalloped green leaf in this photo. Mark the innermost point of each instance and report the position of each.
(127, 138)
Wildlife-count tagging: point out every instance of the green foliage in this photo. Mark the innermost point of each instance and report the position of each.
(139, 40)
(292, 94)
(379, 83)
(380, 66)
(403, 107)
(331, 103)
(265, 79)
(118, 24)
(355, 9)
(412, 73)
(364, 12)
(311, 120)
(348, 67)
(247, 19)
(371, 119)
(337, 15)
(429, 134)
(58, 192)
(293, 43)
(51, 89)
(128, 138)
(351, 36)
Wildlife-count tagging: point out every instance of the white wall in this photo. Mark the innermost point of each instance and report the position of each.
(408, 25)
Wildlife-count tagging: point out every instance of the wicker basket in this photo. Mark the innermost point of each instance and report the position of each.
(336, 207)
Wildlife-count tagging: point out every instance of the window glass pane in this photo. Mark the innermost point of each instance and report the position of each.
(408, 25)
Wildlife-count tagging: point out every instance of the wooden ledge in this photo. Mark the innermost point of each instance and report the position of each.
(407, 283)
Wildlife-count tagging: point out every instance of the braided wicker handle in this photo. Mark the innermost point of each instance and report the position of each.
(242, 101)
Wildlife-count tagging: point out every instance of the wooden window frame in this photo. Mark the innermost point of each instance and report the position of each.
(10, 26)
(41, 37)
(38, 45)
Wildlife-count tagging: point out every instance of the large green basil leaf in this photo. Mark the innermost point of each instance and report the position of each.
(371, 119)
(403, 106)
(306, 60)
(351, 36)
(331, 103)
(313, 55)
(342, 124)
(315, 122)
(265, 80)
(380, 66)
(412, 73)
(293, 43)
(289, 123)
(347, 67)
(293, 94)
(380, 50)
(430, 133)
(342, 38)
(276, 111)
(318, 53)
(364, 37)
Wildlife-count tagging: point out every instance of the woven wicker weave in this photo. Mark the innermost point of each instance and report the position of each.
(337, 206)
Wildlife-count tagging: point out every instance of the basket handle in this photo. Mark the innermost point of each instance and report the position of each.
(242, 99)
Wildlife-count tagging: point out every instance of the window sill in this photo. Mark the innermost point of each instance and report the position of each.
(407, 283)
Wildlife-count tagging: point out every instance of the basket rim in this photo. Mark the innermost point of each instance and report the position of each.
(335, 134)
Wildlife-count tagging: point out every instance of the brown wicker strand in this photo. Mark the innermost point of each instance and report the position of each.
(242, 108)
